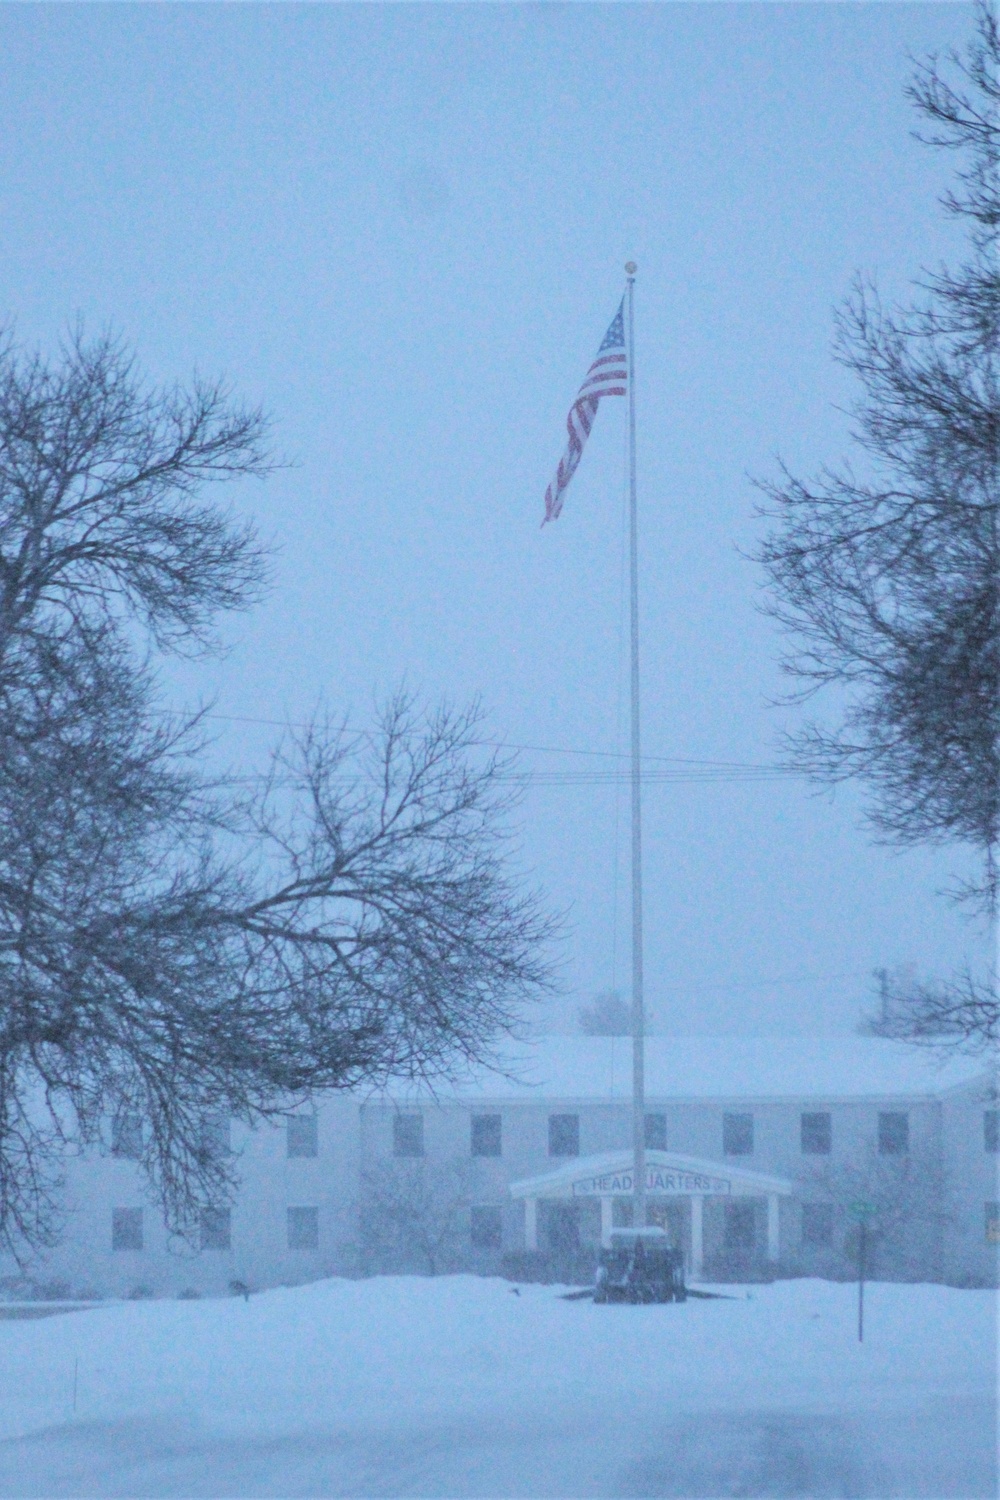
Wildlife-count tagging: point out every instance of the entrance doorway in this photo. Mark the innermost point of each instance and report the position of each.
(668, 1214)
(561, 1227)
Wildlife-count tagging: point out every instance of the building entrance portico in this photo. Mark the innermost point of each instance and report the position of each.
(676, 1189)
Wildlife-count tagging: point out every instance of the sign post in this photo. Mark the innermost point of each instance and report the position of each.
(862, 1211)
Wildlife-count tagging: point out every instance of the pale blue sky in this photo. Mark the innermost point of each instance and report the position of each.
(403, 229)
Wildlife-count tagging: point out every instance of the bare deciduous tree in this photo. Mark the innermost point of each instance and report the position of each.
(961, 1014)
(100, 479)
(607, 1015)
(887, 580)
(411, 1214)
(172, 948)
(907, 1201)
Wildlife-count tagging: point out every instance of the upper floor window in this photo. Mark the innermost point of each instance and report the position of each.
(302, 1135)
(991, 1130)
(564, 1135)
(408, 1135)
(126, 1229)
(215, 1135)
(737, 1135)
(656, 1132)
(126, 1136)
(893, 1133)
(487, 1139)
(817, 1134)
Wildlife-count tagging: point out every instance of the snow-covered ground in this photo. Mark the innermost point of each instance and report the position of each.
(458, 1386)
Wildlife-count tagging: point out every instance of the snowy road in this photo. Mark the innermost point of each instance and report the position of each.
(708, 1454)
(455, 1387)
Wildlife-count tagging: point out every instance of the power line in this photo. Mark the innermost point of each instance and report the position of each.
(707, 776)
(768, 984)
(676, 768)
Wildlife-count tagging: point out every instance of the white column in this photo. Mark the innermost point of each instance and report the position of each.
(607, 1221)
(531, 1223)
(697, 1238)
(773, 1234)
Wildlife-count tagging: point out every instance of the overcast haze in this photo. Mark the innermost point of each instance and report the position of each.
(402, 229)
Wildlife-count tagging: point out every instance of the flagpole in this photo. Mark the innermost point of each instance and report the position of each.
(638, 1013)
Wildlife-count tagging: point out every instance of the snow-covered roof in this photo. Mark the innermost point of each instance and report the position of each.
(571, 1067)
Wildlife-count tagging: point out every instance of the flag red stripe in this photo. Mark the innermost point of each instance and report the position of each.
(607, 376)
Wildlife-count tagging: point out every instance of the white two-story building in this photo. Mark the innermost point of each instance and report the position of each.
(762, 1154)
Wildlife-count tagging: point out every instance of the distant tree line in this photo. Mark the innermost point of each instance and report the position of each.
(606, 1015)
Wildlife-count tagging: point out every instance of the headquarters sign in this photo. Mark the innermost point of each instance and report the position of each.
(663, 1180)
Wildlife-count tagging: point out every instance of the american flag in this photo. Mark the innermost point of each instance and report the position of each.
(607, 376)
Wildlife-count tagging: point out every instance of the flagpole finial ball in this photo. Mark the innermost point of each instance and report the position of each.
(631, 267)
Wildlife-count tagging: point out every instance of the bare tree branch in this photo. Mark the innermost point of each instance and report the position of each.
(960, 1016)
(179, 950)
(886, 583)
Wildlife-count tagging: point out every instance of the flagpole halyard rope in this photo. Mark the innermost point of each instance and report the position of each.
(638, 1012)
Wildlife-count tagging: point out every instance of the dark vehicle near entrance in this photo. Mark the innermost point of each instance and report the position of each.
(640, 1265)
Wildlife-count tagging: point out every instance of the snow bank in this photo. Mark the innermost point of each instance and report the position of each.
(366, 1362)
(399, 1348)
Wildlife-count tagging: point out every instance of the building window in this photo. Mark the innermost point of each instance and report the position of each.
(817, 1135)
(302, 1135)
(486, 1228)
(126, 1229)
(486, 1135)
(564, 1135)
(126, 1136)
(993, 1223)
(215, 1135)
(737, 1136)
(817, 1224)
(991, 1130)
(215, 1229)
(656, 1132)
(621, 1213)
(408, 1135)
(739, 1227)
(303, 1229)
(893, 1134)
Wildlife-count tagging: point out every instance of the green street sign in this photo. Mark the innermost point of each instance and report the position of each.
(861, 1209)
